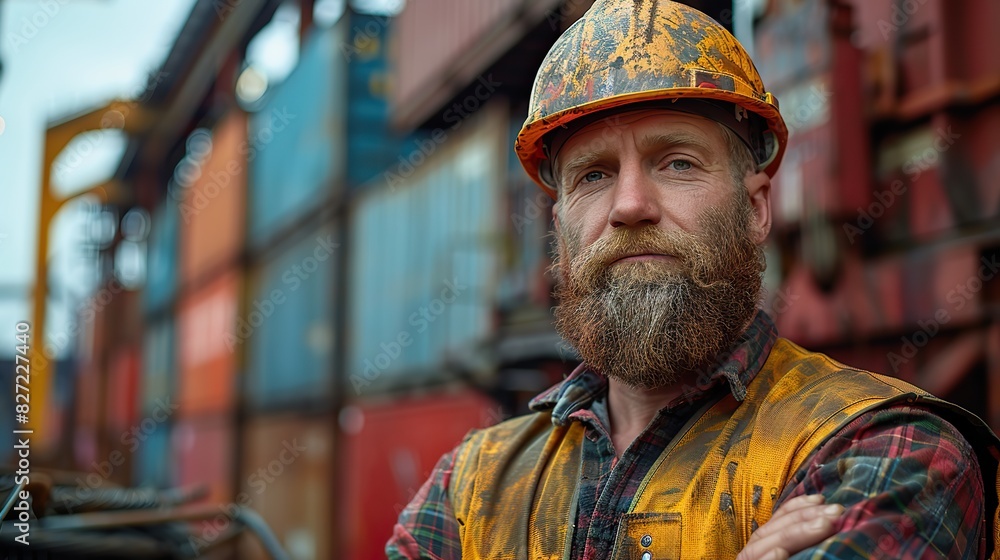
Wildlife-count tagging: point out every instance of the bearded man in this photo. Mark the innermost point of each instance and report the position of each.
(691, 429)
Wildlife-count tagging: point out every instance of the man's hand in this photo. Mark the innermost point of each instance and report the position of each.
(799, 523)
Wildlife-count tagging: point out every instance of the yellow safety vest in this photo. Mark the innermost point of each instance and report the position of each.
(514, 485)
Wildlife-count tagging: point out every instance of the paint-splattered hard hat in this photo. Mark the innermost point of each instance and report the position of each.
(632, 54)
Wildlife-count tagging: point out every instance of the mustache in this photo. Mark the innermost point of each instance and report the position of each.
(628, 242)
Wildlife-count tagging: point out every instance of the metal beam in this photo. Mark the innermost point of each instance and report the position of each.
(121, 115)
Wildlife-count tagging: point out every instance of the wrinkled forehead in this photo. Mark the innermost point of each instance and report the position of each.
(645, 124)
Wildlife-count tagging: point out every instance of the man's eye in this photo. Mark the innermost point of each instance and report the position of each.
(680, 165)
(593, 176)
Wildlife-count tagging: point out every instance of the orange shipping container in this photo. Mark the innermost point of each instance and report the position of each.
(212, 212)
(207, 363)
(286, 476)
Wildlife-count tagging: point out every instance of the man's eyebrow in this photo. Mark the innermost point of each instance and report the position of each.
(654, 141)
(579, 162)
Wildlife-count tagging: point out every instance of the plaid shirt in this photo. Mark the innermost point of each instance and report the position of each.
(909, 481)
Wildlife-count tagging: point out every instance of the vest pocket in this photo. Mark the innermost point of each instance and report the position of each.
(648, 536)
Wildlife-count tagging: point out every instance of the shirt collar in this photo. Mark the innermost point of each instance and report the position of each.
(737, 367)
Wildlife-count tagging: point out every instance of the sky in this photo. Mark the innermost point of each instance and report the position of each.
(61, 58)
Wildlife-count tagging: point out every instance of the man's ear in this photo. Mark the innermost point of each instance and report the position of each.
(758, 186)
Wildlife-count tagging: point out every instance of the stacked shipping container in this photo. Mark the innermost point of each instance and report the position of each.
(287, 331)
(203, 437)
(388, 281)
(891, 271)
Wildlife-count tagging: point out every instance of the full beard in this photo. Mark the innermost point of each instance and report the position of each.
(656, 323)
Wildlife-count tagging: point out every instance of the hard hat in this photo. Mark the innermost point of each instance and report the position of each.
(635, 54)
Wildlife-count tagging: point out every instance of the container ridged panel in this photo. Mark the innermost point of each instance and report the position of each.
(371, 144)
(288, 324)
(161, 271)
(424, 269)
(433, 34)
(152, 456)
(285, 466)
(159, 363)
(296, 143)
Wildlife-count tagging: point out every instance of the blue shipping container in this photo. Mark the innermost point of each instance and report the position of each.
(149, 445)
(159, 363)
(161, 270)
(296, 145)
(425, 256)
(288, 323)
(371, 143)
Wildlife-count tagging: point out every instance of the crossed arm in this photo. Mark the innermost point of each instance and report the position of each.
(896, 483)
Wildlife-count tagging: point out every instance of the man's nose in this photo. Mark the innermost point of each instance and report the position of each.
(635, 199)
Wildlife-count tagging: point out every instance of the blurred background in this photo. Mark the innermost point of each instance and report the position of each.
(284, 249)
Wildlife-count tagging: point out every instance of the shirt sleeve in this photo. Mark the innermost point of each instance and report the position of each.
(427, 527)
(909, 481)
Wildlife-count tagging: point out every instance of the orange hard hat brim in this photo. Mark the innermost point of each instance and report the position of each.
(530, 142)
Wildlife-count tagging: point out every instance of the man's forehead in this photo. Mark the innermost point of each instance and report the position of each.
(653, 126)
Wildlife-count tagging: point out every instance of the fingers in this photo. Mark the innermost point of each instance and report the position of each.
(797, 503)
(776, 554)
(797, 518)
(797, 525)
(788, 540)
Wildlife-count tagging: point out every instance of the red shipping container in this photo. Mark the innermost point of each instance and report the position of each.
(123, 390)
(390, 449)
(440, 46)
(286, 476)
(207, 361)
(212, 212)
(203, 450)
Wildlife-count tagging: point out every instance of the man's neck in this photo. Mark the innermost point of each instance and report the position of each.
(630, 410)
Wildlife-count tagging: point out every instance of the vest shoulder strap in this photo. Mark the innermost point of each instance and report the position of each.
(513, 488)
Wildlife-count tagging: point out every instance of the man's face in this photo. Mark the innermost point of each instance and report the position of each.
(658, 263)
